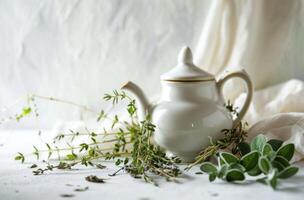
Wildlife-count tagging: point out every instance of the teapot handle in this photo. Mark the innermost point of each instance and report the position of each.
(243, 75)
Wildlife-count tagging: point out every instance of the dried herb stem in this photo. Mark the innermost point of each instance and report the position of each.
(65, 102)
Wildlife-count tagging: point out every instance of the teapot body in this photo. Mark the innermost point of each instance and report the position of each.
(191, 108)
(188, 114)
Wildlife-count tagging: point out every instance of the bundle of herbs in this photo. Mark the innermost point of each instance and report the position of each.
(132, 149)
(131, 146)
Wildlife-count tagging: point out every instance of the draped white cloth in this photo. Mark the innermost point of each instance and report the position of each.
(262, 38)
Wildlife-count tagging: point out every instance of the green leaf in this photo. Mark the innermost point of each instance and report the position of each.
(71, 156)
(212, 177)
(131, 108)
(229, 158)
(20, 157)
(83, 146)
(282, 161)
(277, 165)
(221, 161)
(234, 175)
(208, 167)
(255, 171)
(264, 165)
(272, 179)
(273, 183)
(286, 151)
(100, 166)
(222, 170)
(275, 144)
(101, 115)
(244, 148)
(115, 121)
(26, 111)
(48, 146)
(271, 156)
(262, 180)
(36, 152)
(237, 166)
(258, 143)
(92, 152)
(288, 172)
(250, 160)
(267, 149)
(118, 162)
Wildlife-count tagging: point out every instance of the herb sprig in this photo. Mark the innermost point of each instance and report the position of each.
(259, 158)
(141, 159)
(231, 139)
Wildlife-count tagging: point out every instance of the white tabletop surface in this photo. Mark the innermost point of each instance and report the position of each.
(17, 181)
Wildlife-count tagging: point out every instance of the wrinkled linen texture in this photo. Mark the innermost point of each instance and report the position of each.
(262, 37)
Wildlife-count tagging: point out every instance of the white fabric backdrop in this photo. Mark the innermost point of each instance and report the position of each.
(80, 49)
(77, 50)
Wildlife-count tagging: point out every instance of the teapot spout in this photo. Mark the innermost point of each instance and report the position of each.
(141, 101)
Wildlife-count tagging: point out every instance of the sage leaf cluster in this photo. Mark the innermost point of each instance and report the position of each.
(269, 160)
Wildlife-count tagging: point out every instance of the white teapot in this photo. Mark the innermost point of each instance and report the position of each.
(191, 108)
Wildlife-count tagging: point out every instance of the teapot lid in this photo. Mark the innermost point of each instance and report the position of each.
(185, 70)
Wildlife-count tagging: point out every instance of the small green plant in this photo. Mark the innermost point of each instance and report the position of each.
(267, 159)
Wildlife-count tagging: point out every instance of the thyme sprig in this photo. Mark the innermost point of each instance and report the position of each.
(30, 108)
(130, 146)
(231, 139)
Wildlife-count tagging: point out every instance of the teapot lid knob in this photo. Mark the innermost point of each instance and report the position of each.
(185, 56)
(185, 70)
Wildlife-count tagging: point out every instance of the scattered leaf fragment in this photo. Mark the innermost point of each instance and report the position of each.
(33, 166)
(81, 189)
(95, 179)
(67, 195)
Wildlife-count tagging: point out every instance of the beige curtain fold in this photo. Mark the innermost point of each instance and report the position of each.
(262, 37)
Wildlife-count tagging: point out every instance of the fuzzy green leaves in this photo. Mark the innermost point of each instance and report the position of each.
(229, 158)
(286, 151)
(250, 160)
(258, 143)
(235, 175)
(288, 172)
(229, 168)
(243, 148)
(264, 165)
(208, 167)
(267, 150)
(275, 144)
(259, 157)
